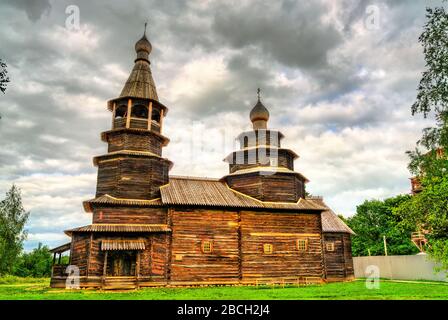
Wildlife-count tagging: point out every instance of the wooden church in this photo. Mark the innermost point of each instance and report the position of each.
(254, 225)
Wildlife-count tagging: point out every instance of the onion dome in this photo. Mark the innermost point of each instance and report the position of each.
(259, 115)
(143, 47)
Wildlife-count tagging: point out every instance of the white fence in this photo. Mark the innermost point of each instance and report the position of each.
(416, 267)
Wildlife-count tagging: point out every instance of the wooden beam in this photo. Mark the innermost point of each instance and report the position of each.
(105, 264)
(281, 234)
(161, 120)
(149, 115)
(324, 260)
(89, 255)
(240, 249)
(128, 116)
(114, 110)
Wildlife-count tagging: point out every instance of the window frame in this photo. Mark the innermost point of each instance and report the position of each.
(268, 248)
(328, 245)
(207, 243)
(301, 248)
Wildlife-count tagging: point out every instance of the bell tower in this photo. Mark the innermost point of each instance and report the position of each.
(134, 167)
(261, 168)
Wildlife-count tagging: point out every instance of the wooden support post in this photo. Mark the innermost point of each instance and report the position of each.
(54, 258)
(137, 268)
(89, 254)
(105, 264)
(161, 120)
(149, 115)
(114, 110)
(59, 259)
(128, 116)
(324, 260)
(240, 250)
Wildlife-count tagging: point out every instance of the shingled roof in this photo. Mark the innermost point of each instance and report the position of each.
(209, 192)
(106, 227)
(213, 192)
(330, 221)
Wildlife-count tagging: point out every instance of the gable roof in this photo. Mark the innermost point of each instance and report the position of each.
(330, 221)
(213, 192)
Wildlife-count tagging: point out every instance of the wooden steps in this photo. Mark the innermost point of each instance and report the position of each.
(120, 283)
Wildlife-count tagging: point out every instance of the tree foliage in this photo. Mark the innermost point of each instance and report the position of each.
(36, 263)
(427, 211)
(12, 234)
(375, 219)
(432, 94)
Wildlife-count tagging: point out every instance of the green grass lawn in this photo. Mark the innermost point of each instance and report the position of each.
(31, 289)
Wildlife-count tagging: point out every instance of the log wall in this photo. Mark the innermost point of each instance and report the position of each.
(132, 177)
(130, 215)
(338, 263)
(284, 160)
(124, 140)
(281, 230)
(189, 229)
(238, 239)
(79, 252)
(275, 187)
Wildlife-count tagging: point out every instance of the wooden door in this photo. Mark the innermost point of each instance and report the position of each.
(121, 263)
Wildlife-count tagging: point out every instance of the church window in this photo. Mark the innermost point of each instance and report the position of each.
(207, 246)
(302, 245)
(268, 248)
(329, 246)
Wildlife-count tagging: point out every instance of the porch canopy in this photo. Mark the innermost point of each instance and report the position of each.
(137, 244)
(60, 250)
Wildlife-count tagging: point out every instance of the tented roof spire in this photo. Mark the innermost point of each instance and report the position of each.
(140, 83)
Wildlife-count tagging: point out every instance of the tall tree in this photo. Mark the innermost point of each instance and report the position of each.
(432, 95)
(428, 210)
(375, 219)
(4, 79)
(12, 234)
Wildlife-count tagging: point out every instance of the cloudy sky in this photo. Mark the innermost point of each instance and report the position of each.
(338, 77)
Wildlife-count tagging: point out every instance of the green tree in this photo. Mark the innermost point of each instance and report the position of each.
(36, 263)
(375, 219)
(12, 234)
(428, 210)
(432, 96)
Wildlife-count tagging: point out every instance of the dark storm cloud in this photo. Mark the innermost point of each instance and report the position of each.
(34, 8)
(291, 32)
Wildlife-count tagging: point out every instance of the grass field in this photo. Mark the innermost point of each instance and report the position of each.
(38, 289)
